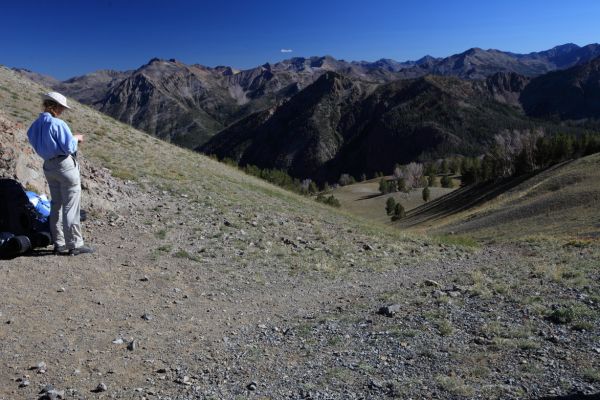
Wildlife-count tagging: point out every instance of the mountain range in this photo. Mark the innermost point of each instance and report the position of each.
(340, 125)
(336, 125)
(319, 116)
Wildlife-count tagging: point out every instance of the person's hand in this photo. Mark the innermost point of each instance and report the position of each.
(79, 138)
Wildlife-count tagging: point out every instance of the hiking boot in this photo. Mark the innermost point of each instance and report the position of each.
(81, 250)
(60, 249)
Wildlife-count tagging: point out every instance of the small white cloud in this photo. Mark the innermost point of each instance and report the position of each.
(286, 50)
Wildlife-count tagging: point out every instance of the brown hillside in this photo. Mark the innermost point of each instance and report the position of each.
(560, 201)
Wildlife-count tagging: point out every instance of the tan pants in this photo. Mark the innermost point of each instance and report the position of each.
(62, 174)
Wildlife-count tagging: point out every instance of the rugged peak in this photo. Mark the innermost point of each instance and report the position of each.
(329, 75)
(473, 51)
(296, 60)
(224, 70)
(157, 60)
(566, 46)
(426, 61)
(327, 58)
(507, 82)
(330, 82)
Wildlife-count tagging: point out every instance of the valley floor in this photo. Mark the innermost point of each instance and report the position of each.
(240, 301)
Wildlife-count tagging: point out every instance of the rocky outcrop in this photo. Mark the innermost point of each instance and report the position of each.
(19, 161)
(506, 87)
(17, 158)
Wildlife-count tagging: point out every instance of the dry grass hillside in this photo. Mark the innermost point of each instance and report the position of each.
(561, 201)
(365, 200)
(210, 284)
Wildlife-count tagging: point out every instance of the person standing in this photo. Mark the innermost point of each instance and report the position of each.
(52, 140)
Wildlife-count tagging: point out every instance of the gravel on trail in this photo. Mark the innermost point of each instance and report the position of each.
(186, 303)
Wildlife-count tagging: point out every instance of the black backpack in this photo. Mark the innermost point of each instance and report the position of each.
(18, 217)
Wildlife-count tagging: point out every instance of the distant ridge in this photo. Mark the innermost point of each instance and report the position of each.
(347, 127)
(188, 104)
(338, 125)
(573, 93)
(374, 114)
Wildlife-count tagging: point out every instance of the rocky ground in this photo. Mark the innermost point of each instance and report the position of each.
(190, 298)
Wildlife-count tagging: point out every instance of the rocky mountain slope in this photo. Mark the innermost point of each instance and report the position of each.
(334, 126)
(406, 119)
(42, 79)
(91, 87)
(210, 283)
(570, 94)
(477, 63)
(300, 136)
(188, 104)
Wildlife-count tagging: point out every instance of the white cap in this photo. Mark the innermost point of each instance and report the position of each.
(57, 97)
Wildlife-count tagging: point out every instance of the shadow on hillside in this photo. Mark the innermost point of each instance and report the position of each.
(576, 396)
(369, 196)
(464, 198)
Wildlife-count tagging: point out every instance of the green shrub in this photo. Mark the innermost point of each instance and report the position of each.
(446, 181)
(401, 184)
(399, 212)
(390, 205)
(426, 194)
(431, 179)
(562, 315)
(383, 186)
(329, 200)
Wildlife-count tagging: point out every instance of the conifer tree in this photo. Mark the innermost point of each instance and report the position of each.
(426, 194)
(390, 205)
(431, 179)
(446, 181)
(383, 186)
(399, 212)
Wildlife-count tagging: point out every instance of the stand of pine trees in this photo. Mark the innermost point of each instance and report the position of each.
(545, 152)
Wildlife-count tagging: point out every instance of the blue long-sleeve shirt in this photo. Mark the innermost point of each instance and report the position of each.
(51, 137)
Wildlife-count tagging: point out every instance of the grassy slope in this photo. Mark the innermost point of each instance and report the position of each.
(363, 199)
(132, 154)
(562, 201)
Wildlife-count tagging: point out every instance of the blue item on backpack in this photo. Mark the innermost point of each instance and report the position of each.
(41, 205)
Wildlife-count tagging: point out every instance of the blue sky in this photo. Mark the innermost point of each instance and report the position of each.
(65, 38)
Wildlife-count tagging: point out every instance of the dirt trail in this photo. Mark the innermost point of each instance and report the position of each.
(66, 311)
(218, 306)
